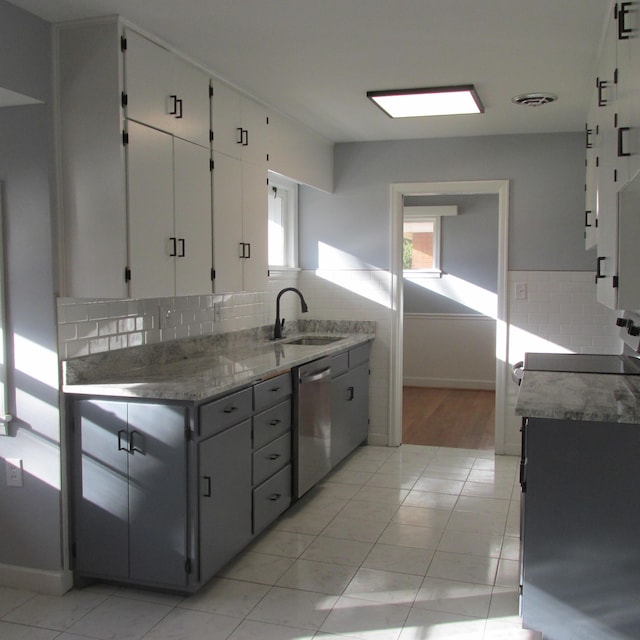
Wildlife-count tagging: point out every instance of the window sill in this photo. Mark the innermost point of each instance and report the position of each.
(282, 272)
(422, 275)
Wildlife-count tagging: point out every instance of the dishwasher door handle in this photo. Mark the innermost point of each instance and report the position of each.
(314, 377)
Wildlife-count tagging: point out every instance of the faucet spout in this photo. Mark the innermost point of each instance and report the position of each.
(277, 328)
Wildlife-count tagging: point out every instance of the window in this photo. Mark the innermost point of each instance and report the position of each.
(421, 239)
(282, 196)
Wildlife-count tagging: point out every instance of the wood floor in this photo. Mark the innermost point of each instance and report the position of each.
(462, 418)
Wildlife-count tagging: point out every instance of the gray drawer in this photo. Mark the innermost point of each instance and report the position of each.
(271, 423)
(339, 363)
(220, 414)
(270, 391)
(358, 355)
(271, 498)
(271, 458)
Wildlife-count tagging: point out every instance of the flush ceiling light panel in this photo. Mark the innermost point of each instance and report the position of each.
(433, 101)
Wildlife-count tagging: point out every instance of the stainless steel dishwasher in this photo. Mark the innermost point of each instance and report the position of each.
(312, 428)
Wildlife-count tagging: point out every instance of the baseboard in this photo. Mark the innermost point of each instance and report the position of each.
(446, 383)
(377, 440)
(50, 582)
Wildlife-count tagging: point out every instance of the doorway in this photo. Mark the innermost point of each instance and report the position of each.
(499, 305)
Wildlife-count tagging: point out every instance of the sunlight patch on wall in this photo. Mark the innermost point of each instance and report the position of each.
(35, 361)
(461, 291)
(346, 271)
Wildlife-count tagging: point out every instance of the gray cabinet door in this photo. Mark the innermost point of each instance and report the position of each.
(157, 494)
(349, 411)
(101, 509)
(225, 496)
(130, 491)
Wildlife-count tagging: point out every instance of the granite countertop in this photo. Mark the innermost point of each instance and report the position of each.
(593, 397)
(195, 369)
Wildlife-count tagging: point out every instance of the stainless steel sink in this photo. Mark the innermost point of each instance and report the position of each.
(313, 340)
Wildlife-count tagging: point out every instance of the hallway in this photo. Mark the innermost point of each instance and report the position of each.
(460, 418)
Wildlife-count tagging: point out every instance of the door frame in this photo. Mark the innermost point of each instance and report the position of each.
(470, 187)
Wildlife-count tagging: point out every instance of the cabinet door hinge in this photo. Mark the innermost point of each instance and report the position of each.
(614, 282)
(127, 274)
(125, 138)
(211, 165)
(123, 43)
(187, 565)
(211, 91)
(211, 135)
(124, 99)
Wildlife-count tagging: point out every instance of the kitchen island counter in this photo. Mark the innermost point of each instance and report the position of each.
(591, 397)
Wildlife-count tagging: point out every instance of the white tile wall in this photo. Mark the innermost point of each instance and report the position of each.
(93, 326)
(560, 315)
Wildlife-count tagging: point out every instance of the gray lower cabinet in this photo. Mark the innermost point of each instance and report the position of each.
(165, 494)
(130, 506)
(581, 520)
(349, 401)
(224, 463)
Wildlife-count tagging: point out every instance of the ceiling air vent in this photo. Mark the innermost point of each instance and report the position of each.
(534, 99)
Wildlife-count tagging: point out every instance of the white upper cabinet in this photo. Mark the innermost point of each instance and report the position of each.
(169, 213)
(616, 141)
(136, 192)
(163, 91)
(239, 125)
(240, 218)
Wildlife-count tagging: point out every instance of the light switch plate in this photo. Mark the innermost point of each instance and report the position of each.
(14, 472)
(521, 292)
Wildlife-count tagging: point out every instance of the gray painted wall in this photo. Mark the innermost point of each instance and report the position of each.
(31, 515)
(469, 251)
(546, 174)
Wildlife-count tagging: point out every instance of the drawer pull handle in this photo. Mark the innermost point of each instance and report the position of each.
(121, 433)
(275, 422)
(230, 409)
(274, 456)
(351, 394)
(275, 496)
(274, 389)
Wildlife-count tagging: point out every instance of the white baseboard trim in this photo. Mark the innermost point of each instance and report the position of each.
(446, 383)
(377, 440)
(53, 583)
(512, 449)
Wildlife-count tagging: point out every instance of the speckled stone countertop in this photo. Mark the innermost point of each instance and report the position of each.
(593, 397)
(194, 369)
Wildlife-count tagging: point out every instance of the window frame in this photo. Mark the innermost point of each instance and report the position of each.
(432, 214)
(290, 220)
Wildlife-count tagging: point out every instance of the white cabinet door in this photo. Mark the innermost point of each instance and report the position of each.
(255, 143)
(591, 178)
(629, 238)
(628, 62)
(227, 226)
(226, 120)
(150, 212)
(165, 92)
(240, 225)
(255, 221)
(147, 69)
(607, 180)
(192, 195)
(191, 85)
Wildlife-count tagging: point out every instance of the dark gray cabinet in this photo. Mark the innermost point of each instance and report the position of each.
(581, 517)
(224, 463)
(349, 401)
(130, 505)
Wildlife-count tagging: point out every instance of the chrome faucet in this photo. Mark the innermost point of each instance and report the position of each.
(277, 329)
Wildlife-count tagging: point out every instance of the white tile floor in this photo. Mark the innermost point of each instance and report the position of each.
(413, 543)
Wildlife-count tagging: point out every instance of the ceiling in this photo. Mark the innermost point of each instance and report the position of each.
(316, 59)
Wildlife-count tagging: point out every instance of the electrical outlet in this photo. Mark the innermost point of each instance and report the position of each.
(521, 290)
(14, 472)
